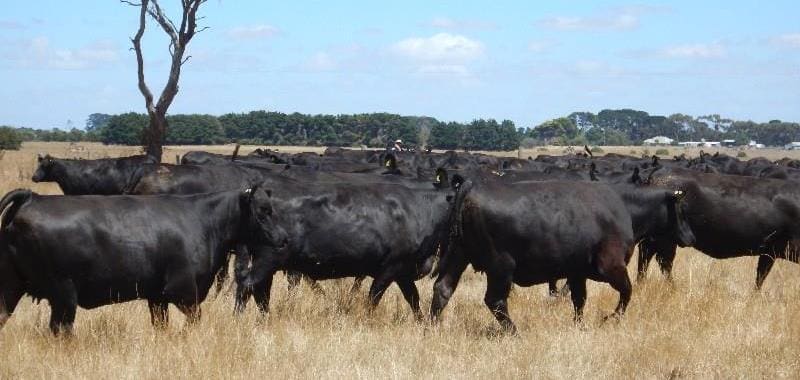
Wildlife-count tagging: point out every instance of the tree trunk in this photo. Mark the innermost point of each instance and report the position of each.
(154, 136)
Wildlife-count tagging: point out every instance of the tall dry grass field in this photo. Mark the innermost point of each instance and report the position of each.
(709, 323)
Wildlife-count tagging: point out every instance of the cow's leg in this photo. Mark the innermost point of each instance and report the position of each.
(577, 287)
(611, 268)
(378, 287)
(498, 285)
(261, 293)
(646, 253)
(63, 305)
(765, 263)
(617, 277)
(411, 294)
(241, 269)
(665, 256)
(192, 312)
(11, 291)
(159, 313)
(182, 291)
(449, 274)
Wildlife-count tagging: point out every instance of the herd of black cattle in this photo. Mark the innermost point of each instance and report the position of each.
(129, 228)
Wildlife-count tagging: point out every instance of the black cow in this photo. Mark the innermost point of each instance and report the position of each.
(106, 176)
(91, 251)
(732, 216)
(336, 230)
(531, 233)
(192, 179)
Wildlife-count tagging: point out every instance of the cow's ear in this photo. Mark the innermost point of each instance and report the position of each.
(457, 181)
(39, 157)
(269, 192)
(441, 178)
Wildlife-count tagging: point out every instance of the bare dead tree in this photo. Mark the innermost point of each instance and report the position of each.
(179, 38)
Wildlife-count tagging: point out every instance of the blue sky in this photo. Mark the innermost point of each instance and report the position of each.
(527, 61)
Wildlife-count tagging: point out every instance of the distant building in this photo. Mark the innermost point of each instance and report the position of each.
(753, 144)
(728, 143)
(794, 145)
(658, 140)
(702, 143)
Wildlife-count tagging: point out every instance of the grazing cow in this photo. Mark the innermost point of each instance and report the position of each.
(732, 216)
(91, 251)
(531, 233)
(106, 176)
(336, 230)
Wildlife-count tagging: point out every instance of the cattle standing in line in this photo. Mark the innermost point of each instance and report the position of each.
(106, 176)
(531, 233)
(732, 216)
(91, 251)
(336, 230)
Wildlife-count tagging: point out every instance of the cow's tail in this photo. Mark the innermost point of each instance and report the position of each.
(15, 198)
(455, 226)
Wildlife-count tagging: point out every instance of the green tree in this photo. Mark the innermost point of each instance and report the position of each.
(125, 129)
(447, 135)
(195, 129)
(9, 138)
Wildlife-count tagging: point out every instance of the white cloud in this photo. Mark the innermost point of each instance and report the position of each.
(540, 46)
(321, 61)
(441, 48)
(39, 53)
(694, 51)
(253, 32)
(614, 19)
(791, 40)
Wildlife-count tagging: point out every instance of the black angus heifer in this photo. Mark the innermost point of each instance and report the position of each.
(192, 179)
(731, 216)
(655, 212)
(91, 251)
(531, 233)
(336, 230)
(105, 176)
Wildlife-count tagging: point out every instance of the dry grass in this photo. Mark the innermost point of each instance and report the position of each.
(708, 324)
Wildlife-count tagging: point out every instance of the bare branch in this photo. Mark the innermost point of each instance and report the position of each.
(131, 3)
(166, 24)
(137, 47)
(185, 59)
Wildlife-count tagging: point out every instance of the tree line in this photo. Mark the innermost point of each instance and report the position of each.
(608, 127)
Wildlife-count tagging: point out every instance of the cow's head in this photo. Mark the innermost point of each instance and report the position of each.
(683, 233)
(44, 170)
(258, 208)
